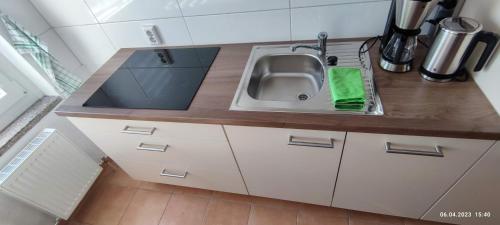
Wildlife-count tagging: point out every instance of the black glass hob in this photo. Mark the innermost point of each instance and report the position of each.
(156, 79)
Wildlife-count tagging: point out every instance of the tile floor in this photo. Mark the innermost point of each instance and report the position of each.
(116, 199)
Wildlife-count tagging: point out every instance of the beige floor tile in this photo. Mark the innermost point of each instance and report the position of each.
(263, 215)
(362, 218)
(108, 207)
(322, 215)
(90, 200)
(184, 209)
(167, 188)
(222, 212)
(232, 197)
(120, 178)
(146, 208)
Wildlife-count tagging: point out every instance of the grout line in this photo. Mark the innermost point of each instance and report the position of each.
(128, 205)
(252, 211)
(100, 27)
(44, 32)
(165, 209)
(237, 12)
(335, 4)
(185, 22)
(212, 200)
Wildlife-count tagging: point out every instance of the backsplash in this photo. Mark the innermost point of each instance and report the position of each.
(95, 29)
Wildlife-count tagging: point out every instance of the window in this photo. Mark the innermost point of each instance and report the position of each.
(14, 99)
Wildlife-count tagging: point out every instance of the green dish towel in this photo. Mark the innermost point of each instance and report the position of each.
(347, 88)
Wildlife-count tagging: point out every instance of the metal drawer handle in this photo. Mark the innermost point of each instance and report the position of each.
(151, 147)
(138, 130)
(328, 144)
(165, 173)
(436, 153)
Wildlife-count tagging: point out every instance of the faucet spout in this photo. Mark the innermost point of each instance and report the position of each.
(320, 47)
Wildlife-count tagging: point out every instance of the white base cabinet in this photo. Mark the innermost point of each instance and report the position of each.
(193, 155)
(373, 180)
(289, 164)
(408, 176)
(475, 199)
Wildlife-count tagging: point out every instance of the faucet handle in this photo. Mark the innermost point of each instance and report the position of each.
(322, 35)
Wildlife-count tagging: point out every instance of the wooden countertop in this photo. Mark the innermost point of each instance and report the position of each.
(412, 105)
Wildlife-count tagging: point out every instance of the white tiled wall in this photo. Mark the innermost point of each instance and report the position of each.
(117, 23)
(129, 34)
(340, 21)
(486, 12)
(89, 43)
(125, 10)
(257, 26)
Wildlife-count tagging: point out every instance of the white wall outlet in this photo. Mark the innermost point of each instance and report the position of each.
(152, 34)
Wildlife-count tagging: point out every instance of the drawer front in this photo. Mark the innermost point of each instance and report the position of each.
(289, 164)
(212, 174)
(150, 128)
(156, 149)
(401, 175)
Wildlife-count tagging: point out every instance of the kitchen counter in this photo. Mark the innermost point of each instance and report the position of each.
(412, 105)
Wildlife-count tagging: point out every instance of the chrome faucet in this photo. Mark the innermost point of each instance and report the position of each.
(321, 47)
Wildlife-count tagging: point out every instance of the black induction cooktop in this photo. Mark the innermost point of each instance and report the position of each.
(156, 79)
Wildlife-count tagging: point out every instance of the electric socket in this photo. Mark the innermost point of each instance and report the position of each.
(152, 34)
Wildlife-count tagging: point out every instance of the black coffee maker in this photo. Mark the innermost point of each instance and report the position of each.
(397, 48)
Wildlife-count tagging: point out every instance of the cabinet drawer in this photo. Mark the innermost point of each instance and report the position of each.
(149, 128)
(149, 149)
(401, 175)
(211, 175)
(289, 164)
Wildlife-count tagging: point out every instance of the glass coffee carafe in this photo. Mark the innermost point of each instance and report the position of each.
(400, 49)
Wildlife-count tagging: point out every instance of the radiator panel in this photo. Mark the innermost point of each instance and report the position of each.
(50, 173)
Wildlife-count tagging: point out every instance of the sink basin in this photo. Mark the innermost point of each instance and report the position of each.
(286, 78)
(279, 80)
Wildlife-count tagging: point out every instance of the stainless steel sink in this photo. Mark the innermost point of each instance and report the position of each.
(279, 80)
(286, 78)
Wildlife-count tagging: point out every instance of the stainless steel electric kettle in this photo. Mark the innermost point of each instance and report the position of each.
(456, 40)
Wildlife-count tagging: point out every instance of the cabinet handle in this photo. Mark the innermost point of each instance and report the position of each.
(152, 148)
(138, 130)
(329, 143)
(165, 173)
(436, 153)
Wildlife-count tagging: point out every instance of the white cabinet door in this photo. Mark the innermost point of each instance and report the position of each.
(475, 199)
(276, 164)
(194, 155)
(373, 180)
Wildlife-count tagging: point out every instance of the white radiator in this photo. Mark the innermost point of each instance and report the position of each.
(50, 173)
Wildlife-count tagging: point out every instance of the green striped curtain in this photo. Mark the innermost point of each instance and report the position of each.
(25, 42)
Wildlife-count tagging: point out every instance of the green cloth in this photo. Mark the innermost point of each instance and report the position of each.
(347, 88)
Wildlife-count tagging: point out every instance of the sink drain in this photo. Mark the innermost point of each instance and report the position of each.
(303, 97)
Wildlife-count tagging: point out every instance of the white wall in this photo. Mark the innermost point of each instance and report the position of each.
(488, 13)
(13, 212)
(95, 29)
